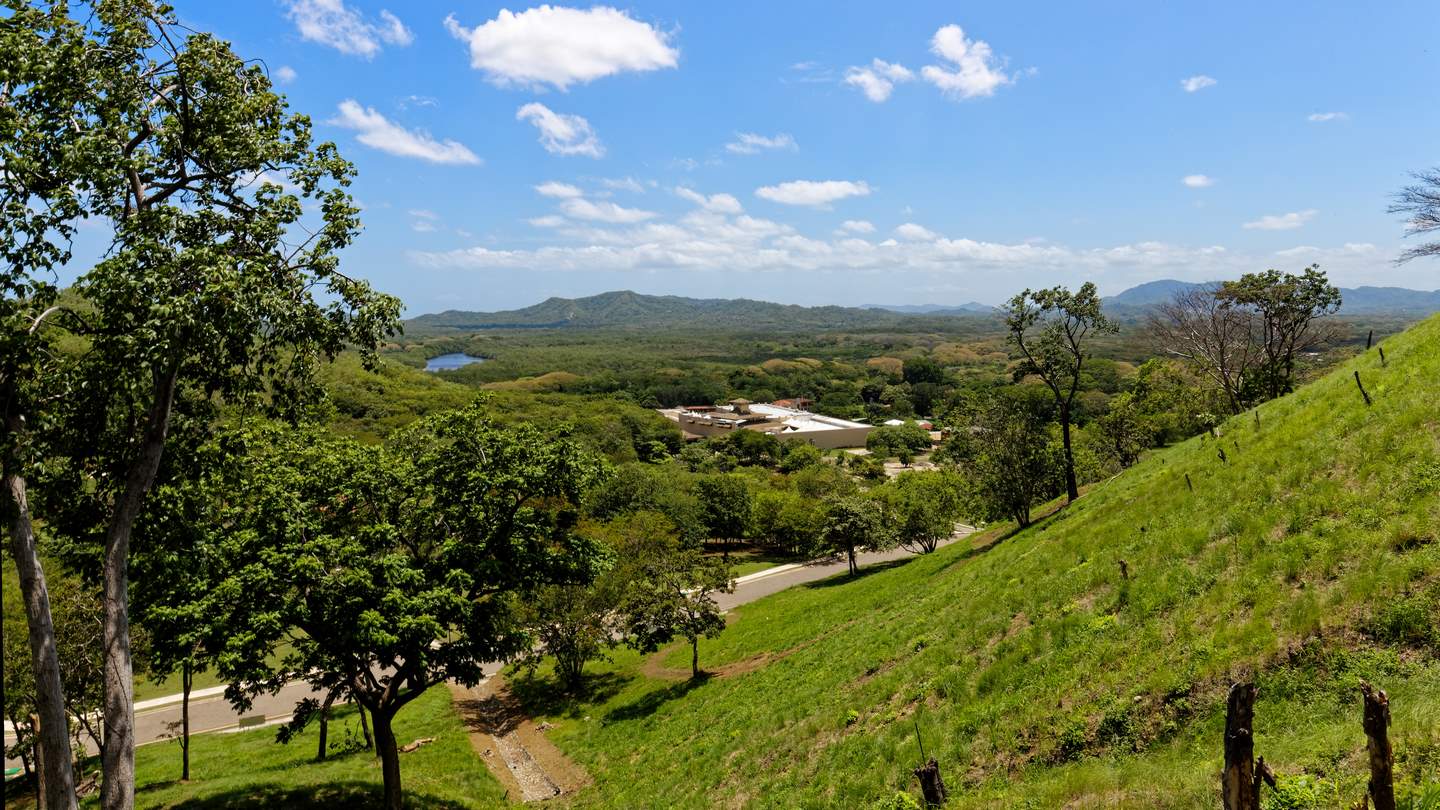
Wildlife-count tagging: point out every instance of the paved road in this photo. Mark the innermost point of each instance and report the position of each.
(158, 720)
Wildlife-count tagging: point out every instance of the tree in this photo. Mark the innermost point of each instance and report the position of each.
(919, 370)
(670, 590)
(800, 455)
(1051, 329)
(213, 281)
(391, 569)
(923, 507)
(725, 499)
(1125, 430)
(1287, 307)
(855, 523)
(887, 441)
(1420, 203)
(1214, 335)
(571, 622)
(1009, 460)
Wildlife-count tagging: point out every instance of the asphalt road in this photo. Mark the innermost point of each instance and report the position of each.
(158, 720)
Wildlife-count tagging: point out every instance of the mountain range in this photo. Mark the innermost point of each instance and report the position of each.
(626, 309)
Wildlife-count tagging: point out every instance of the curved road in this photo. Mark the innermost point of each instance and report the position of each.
(159, 719)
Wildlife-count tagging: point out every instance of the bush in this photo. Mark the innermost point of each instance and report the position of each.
(1303, 792)
(900, 801)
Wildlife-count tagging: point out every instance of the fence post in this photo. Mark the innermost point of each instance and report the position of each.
(1238, 783)
(1377, 733)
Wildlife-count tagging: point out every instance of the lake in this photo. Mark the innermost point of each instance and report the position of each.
(450, 362)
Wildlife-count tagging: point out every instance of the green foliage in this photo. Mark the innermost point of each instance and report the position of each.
(922, 508)
(888, 441)
(900, 801)
(1303, 792)
(1288, 306)
(856, 523)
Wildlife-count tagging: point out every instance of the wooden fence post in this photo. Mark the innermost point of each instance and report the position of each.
(1362, 387)
(1238, 783)
(932, 787)
(1377, 732)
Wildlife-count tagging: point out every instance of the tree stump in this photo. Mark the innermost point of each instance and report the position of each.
(1377, 733)
(932, 787)
(1238, 783)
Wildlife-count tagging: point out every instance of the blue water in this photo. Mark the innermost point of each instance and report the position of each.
(450, 362)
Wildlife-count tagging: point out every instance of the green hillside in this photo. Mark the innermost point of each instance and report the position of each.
(1307, 560)
(628, 309)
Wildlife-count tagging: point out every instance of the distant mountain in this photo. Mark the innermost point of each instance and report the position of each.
(1354, 300)
(630, 309)
(1151, 293)
(935, 309)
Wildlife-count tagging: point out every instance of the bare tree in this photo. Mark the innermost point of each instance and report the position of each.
(1420, 203)
(1213, 335)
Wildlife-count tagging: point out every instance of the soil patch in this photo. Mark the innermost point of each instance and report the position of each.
(517, 752)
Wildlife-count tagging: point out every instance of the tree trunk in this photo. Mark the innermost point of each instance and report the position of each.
(1238, 784)
(1377, 733)
(325, 724)
(695, 657)
(850, 550)
(1072, 489)
(53, 759)
(187, 679)
(117, 790)
(389, 760)
(365, 726)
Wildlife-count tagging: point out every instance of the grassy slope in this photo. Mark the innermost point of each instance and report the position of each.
(250, 769)
(1310, 559)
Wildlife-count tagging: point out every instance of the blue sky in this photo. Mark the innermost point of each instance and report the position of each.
(506, 156)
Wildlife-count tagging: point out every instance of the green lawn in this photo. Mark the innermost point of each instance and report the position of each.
(751, 560)
(250, 769)
(1308, 559)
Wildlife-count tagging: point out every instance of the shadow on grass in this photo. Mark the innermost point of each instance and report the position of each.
(869, 570)
(546, 697)
(331, 794)
(652, 701)
(1038, 523)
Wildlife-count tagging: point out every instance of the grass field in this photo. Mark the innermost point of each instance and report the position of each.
(1307, 560)
(249, 769)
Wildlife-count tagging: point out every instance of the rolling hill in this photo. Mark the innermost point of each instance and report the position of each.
(1307, 558)
(625, 309)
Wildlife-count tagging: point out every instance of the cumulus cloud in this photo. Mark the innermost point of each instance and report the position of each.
(1198, 181)
(554, 189)
(1316, 118)
(1282, 222)
(916, 233)
(559, 46)
(602, 211)
(973, 72)
(1195, 84)
(376, 131)
(562, 134)
(749, 143)
(817, 193)
(332, 23)
(719, 203)
(623, 184)
(285, 74)
(857, 226)
(877, 79)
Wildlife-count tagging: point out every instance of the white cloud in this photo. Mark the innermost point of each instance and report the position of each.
(623, 184)
(1326, 116)
(812, 192)
(973, 71)
(425, 220)
(378, 132)
(749, 143)
(1282, 222)
(1198, 180)
(285, 74)
(554, 189)
(548, 221)
(877, 79)
(602, 211)
(718, 203)
(562, 46)
(916, 233)
(423, 213)
(332, 23)
(419, 101)
(1197, 83)
(562, 134)
(423, 226)
(857, 226)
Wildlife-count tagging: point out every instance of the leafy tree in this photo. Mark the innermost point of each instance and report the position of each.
(923, 507)
(391, 569)
(919, 370)
(217, 280)
(572, 622)
(1287, 307)
(650, 488)
(888, 441)
(789, 520)
(725, 500)
(751, 448)
(1125, 429)
(1010, 461)
(669, 590)
(1420, 203)
(1051, 329)
(855, 523)
(800, 455)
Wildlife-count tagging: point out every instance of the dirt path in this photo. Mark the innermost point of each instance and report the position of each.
(512, 746)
